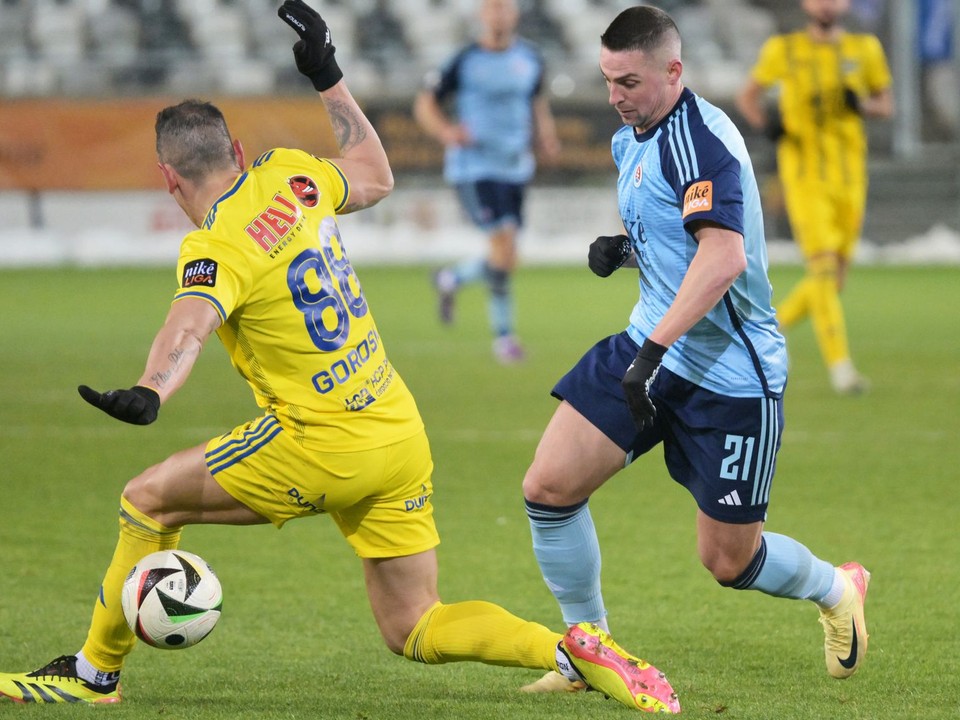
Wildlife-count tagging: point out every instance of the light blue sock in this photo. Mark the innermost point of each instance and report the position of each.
(501, 315)
(568, 552)
(469, 271)
(500, 308)
(783, 567)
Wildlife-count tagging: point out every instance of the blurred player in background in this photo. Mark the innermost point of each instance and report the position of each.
(700, 369)
(340, 434)
(501, 113)
(828, 80)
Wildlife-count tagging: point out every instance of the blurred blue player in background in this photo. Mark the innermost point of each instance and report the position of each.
(500, 114)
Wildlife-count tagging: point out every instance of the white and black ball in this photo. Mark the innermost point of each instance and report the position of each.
(172, 599)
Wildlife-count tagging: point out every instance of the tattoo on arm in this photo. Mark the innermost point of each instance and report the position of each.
(175, 357)
(354, 206)
(347, 127)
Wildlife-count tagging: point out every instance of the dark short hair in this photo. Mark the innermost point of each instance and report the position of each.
(639, 28)
(192, 136)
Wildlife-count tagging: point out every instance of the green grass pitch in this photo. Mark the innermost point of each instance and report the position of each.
(872, 478)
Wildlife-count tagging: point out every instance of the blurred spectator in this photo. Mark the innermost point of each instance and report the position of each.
(14, 20)
(58, 30)
(542, 29)
(115, 35)
(868, 14)
(164, 38)
(941, 86)
(381, 39)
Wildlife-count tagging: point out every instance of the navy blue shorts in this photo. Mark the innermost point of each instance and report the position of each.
(491, 203)
(722, 449)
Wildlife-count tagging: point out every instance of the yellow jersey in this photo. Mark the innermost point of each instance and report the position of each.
(824, 139)
(295, 322)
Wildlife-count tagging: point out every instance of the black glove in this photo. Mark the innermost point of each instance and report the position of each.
(774, 128)
(314, 50)
(851, 100)
(608, 253)
(636, 383)
(138, 405)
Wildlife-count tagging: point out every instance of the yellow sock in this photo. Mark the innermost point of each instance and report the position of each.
(482, 632)
(796, 305)
(110, 640)
(826, 313)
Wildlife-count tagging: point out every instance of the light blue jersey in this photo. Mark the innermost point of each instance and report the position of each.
(494, 92)
(694, 166)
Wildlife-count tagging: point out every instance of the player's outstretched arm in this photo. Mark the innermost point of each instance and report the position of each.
(430, 116)
(545, 129)
(362, 157)
(175, 349)
(877, 105)
(749, 102)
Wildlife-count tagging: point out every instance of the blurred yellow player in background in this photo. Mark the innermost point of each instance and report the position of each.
(828, 81)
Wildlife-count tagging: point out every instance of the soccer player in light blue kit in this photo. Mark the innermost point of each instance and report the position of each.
(701, 368)
(499, 114)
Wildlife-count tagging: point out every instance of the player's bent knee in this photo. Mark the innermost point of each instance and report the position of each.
(727, 567)
(546, 486)
(137, 493)
(733, 573)
(725, 577)
(826, 265)
(535, 491)
(724, 570)
(394, 643)
(395, 632)
(531, 488)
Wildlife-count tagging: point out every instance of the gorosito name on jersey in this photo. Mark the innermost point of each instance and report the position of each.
(341, 370)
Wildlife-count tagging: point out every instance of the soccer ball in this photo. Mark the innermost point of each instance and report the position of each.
(172, 599)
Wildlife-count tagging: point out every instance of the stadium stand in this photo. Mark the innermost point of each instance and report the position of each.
(82, 48)
(76, 53)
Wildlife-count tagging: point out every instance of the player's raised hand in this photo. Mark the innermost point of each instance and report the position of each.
(138, 406)
(606, 254)
(314, 51)
(637, 380)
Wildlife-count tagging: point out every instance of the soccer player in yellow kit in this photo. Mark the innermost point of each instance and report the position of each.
(828, 81)
(340, 433)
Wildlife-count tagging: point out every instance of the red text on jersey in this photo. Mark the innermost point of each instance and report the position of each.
(271, 226)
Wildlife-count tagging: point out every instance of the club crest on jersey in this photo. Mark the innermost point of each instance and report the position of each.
(638, 175)
(199, 272)
(305, 190)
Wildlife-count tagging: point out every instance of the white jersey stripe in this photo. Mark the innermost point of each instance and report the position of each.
(675, 152)
(771, 450)
(688, 143)
(768, 451)
(762, 443)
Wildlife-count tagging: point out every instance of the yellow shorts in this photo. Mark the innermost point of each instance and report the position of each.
(825, 219)
(380, 498)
